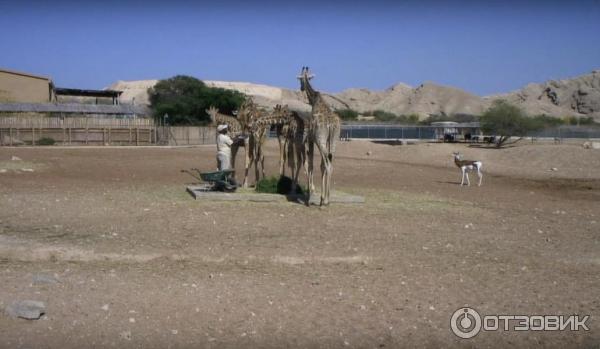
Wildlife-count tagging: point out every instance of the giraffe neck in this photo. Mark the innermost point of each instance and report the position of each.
(312, 94)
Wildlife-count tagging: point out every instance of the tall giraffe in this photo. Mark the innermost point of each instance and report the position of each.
(322, 130)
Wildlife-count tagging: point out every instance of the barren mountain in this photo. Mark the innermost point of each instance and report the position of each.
(578, 96)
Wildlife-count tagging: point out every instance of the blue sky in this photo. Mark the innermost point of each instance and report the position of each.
(483, 47)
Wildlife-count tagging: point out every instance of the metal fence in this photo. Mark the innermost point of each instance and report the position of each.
(582, 132)
(387, 132)
(433, 133)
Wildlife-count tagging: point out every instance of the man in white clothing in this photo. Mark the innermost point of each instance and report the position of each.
(224, 143)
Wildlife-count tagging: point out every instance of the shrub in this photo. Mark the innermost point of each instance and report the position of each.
(347, 114)
(543, 120)
(454, 117)
(382, 115)
(46, 141)
(411, 119)
(574, 120)
(274, 185)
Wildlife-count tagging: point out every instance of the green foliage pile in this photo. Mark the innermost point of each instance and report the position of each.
(185, 99)
(277, 185)
(506, 120)
(46, 141)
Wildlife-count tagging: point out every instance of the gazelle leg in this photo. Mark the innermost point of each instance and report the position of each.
(462, 178)
(468, 182)
(480, 175)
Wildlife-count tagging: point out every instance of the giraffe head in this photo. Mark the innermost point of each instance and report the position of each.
(304, 77)
(212, 112)
(281, 111)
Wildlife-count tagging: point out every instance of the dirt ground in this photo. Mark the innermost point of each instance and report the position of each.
(139, 263)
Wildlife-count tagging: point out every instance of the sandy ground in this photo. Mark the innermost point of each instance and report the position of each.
(141, 264)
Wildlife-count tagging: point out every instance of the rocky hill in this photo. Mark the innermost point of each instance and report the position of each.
(578, 96)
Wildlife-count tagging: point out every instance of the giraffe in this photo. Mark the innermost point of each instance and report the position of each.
(289, 127)
(322, 130)
(248, 115)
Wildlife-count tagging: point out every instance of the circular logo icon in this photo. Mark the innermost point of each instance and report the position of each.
(465, 323)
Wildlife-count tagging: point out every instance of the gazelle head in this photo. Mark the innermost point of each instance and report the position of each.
(456, 155)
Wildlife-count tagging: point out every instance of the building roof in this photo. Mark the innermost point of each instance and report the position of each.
(474, 124)
(126, 109)
(86, 93)
(24, 74)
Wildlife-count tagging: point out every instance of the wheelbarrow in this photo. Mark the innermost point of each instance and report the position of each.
(216, 181)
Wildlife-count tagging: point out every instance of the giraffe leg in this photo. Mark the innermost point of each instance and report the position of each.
(323, 182)
(262, 157)
(325, 168)
(247, 163)
(234, 150)
(256, 164)
(309, 169)
(281, 155)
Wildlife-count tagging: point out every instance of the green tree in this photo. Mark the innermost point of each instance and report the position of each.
(185, 99)
(505, 120)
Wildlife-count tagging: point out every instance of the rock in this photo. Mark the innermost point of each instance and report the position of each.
(125, 335)
(44, 279)
(3, 170)
(27, 309)
(595, 145)
(27, 169)
(369, 153)
(15, 158)
(104, 307)
(553, 169)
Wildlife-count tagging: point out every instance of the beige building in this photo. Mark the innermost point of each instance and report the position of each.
(18, 87)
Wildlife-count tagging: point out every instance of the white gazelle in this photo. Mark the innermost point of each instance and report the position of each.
(467, 166)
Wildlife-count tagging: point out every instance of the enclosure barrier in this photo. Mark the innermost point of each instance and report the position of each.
(97, 130)
(16, 130)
